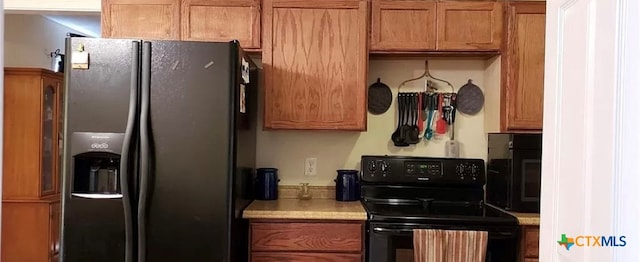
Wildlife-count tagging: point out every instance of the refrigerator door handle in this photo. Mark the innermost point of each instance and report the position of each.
(144, 148)
(126, 151)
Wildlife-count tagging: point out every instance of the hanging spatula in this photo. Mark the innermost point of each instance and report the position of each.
(441, 124)
(452, 147)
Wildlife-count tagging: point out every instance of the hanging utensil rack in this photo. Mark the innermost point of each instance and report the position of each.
(428, 75)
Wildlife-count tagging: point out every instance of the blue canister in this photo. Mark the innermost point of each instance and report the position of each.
(267, 184)
(347, 185)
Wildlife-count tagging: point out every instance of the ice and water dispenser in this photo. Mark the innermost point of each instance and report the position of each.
(95, 169)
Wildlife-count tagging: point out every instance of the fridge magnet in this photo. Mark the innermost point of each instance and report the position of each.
(80, 58)
(243, 101)
(245, 71)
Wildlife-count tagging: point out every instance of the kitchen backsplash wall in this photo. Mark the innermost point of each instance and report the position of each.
(287, 150)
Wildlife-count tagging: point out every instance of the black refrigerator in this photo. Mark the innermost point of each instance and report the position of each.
(159, 150)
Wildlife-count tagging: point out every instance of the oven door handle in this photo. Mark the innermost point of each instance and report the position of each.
(392, 231)
(493, 235)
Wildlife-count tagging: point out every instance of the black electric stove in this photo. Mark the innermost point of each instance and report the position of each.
(404, 193)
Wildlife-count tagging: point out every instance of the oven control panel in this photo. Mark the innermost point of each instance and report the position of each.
(403, 169)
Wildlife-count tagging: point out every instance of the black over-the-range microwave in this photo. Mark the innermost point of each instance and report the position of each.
(513, 172)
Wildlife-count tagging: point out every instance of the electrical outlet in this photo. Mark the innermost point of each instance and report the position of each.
(310, 166)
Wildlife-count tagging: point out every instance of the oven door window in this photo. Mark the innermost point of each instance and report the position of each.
(390, 244)
(394, 243)
(531, 170)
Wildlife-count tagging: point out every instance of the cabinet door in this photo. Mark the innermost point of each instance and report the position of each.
(531, 237)
(403, 25)
(54, 227)
(60, 141)
(49, 137)
(25, 232)
(315, 59)
(222, 20)
(153, 19)
(524, 66)
(339, 237)
(469, 25)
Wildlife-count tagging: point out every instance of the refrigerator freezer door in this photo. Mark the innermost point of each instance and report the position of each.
(192, 151)
(97, 102)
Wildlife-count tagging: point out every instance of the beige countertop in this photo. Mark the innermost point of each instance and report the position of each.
(524, 219)
(317, 208)
(527, 219)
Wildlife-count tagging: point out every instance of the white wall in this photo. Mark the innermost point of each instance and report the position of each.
(29, 40)
(286, 150)
(52, 5)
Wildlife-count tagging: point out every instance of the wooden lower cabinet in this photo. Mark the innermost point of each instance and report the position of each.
(530, 238)
(302, 240)
(30, 230)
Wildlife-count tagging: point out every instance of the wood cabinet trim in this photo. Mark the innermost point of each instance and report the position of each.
(32, 71)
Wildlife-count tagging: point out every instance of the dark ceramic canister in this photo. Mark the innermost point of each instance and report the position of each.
(267, 184)
(347, 185)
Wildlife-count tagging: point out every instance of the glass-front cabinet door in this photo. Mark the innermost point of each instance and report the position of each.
(60, 93)
(49, 143)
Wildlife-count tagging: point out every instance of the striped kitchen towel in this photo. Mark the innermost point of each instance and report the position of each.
(435, 245)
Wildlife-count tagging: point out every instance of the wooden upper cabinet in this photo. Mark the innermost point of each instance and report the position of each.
(403, 25)
(222, 20)
(31, 126)
(523, 67)
(315, 64)
(147, 19)
(469, 25)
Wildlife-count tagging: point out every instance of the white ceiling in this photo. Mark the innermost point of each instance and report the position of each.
(86, 24)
